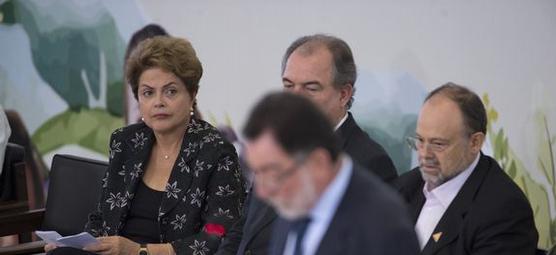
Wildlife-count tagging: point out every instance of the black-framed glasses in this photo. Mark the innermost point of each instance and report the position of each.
(274, 181)
(418, 143)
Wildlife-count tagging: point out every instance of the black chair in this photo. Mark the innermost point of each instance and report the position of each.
(13, 185)
(35, 169)
(13, 192)
(74, 190)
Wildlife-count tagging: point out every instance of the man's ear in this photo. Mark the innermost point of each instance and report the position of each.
(346, 92)
(477, 139)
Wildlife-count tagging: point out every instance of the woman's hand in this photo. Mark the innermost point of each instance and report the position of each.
(114, 245)
(49, 246)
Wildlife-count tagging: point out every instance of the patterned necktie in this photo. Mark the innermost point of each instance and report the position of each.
(299, 228)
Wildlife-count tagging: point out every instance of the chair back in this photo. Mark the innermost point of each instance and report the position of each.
(73, 193)
(35, 169)
(12, 180)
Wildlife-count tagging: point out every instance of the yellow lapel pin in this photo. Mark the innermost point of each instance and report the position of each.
(436, 236)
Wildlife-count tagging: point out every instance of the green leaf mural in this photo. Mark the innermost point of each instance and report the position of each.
(71, 57)
(78, 51)
(537, 194)
(90, 128)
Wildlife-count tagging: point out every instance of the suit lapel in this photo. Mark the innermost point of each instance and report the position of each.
(279, 236)
(345, 130)
(340, 227)
(410, 186)
(264, 215)
(445, 232)
(416, 205)
(140, 144)
(182, 172)
(449, 226)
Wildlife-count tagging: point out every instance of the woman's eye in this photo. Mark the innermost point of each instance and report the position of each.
(147, 93)
(171, 92)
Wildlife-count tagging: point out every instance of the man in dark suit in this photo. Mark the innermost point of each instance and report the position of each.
(461, 201)
(322, 68)
(327, 203)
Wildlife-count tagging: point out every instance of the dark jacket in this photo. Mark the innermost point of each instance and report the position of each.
(251, 234)
(371, 219)
(205, 187)
(489, 215)
(365, 151)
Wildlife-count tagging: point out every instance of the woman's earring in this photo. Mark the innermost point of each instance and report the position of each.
(191, 112)
(142, 119)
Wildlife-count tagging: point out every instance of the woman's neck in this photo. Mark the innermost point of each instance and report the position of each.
(170, 140)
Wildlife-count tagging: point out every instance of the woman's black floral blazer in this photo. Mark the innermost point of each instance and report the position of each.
(205, 188)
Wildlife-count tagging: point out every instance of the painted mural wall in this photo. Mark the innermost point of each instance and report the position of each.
(61, 68)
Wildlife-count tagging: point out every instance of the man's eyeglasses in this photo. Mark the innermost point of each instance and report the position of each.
(273, 181)
(418, 143)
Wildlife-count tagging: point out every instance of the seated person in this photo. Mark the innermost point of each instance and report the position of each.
(131, 108)
(461, 201)
(173, 185)
(5, 132)
(321, 68)
(326, 202)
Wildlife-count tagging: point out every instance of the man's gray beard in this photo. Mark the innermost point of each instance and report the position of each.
(433, 181)
(304, 205)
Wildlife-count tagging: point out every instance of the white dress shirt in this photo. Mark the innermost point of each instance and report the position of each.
(341, 122)
(322, 213)
(437, 201)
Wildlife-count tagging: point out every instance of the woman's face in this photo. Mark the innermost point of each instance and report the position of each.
(164, 101)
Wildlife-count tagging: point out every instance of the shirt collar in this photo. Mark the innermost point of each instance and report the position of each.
(341, 121)
(328, 202)
(446, 192)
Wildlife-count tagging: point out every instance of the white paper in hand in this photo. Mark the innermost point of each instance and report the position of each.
(77, 241)
(49, 236)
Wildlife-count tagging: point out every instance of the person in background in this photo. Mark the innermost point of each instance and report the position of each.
(327, 203)
(460, 200)
(321, 68)
(173, 185)
(132, 114)
(5, 132)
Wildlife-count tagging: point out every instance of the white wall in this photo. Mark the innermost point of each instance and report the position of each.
(505, 48)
